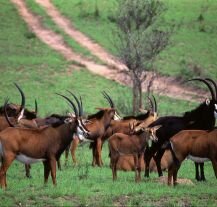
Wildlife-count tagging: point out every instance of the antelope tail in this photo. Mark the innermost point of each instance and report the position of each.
(175, 159)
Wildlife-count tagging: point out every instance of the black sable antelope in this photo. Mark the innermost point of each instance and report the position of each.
(32, 145)
(202, 118)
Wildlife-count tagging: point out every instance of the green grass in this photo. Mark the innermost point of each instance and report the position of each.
(84, 185)
(191, 52)
(41, 72)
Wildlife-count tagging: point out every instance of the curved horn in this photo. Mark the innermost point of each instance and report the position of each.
(72, 104)
(36, 107)
(82, 112)
(214, 84)
(155, 104)
(151, 102)
(77, 101)
(5, 112)
(106, 97)
(208, 85)
(109, 99)
(23, 97)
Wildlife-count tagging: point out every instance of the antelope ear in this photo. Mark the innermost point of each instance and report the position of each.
(157, 127)
(143, 110)
(207, 102)
(99, 108)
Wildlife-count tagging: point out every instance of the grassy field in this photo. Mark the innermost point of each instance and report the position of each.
(41, 72)
(83, 185)
(192, 52)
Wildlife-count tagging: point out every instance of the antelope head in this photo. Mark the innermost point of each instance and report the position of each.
(112, 105)
(210, 105)
(150, 134)
(152, 115)
(81, 130)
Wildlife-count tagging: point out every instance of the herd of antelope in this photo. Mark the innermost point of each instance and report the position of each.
(135, 142)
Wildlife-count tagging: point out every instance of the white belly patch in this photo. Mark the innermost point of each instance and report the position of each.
(198, 159)
(27, 160)
(21, 157)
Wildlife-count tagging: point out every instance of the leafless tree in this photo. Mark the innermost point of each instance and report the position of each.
(140, 38)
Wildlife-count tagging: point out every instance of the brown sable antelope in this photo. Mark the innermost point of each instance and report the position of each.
(97, 125)
(17, 112)
(126, 162)
(197, 145)
(122, 144)
(203, 117)
(122, 126)
(32, 145)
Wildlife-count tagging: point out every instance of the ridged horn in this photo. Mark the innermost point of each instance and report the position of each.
(207, 84)
(72, 104)
(22, 96)
(151, 102)
(106, 96)
(155, 104)
(5, 113)
(77, 101)
(82, 111)
(36, 107)
(215, 86)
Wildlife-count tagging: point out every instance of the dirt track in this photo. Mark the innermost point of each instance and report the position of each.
(112, 69)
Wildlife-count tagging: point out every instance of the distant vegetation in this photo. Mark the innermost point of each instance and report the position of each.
(41, 72)
(194, 45)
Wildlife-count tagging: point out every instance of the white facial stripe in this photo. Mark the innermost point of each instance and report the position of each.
(116, 116)
(21, 115)
(216, 107)
(215, 114)
(81, 126)
(80, 132)
(149, 143)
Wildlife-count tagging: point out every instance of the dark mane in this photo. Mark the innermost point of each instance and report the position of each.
(138, 117)
(55, 120)
(97, 115)
(201, 117)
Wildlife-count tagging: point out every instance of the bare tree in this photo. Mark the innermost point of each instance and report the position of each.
(139, 40)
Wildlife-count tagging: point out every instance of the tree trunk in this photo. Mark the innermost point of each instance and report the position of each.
(137, 94)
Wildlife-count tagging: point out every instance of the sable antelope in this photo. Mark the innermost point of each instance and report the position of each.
(13, 110)
(122, 144)
(97, 125)
(16, 112)
(197, 145)
(202, 117)
(32, 145)
(126, 162)
(122, 126)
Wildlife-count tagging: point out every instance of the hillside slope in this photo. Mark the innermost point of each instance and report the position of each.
(194, 44)
(57, 42)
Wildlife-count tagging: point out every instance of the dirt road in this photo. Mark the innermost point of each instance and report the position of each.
(113, 69)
